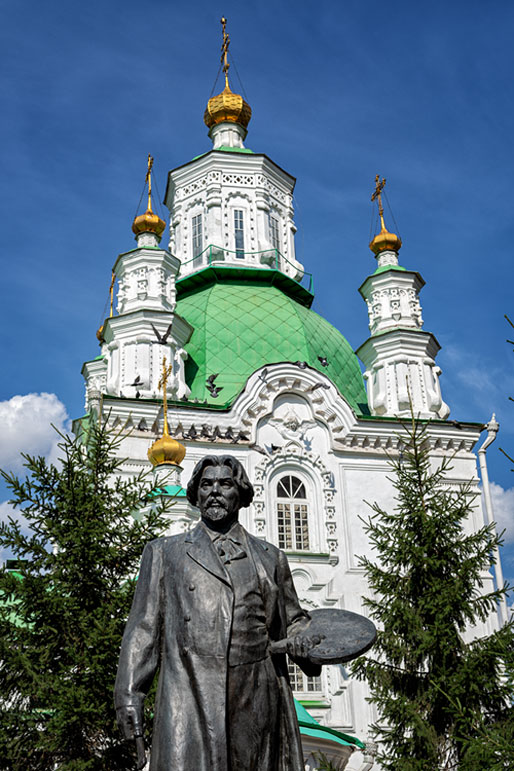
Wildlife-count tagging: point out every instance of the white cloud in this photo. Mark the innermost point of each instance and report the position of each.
(503, 507)
(25, 426)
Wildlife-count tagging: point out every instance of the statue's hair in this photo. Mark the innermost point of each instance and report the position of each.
(239, 475)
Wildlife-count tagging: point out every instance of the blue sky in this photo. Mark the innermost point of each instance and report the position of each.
(340, 91)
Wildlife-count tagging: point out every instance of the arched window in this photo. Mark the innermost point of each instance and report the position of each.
(292, 514)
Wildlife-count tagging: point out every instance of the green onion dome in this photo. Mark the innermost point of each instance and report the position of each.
(245, 319)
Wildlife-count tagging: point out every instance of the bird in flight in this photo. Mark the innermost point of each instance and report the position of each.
(318, 385)
(161, 339)
(212, 378)
(137, 381)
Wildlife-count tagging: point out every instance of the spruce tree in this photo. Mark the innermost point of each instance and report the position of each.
(435, 693)
(64, 608)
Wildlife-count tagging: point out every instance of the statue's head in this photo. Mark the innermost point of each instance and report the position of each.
(219, 487)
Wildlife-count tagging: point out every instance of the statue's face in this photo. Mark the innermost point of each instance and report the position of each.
(218, 495)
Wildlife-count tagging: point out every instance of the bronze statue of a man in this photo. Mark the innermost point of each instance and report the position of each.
(207, 607)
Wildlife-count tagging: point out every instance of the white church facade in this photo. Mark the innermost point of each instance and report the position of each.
(257, 374)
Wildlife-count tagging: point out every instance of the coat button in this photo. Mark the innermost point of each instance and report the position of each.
(185, 651)
(187, 618)
(192, 587)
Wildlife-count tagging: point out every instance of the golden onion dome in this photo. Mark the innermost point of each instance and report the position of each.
(166, 450)
(385, 242)
(148, 223)
(227, 107)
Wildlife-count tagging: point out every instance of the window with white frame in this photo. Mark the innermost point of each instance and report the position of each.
(292, 514)
(239, 234)
(274, 232)
(197, 232)
(300, 682)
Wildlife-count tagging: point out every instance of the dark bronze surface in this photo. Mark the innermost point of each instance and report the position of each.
(208, 608)
(343, 636)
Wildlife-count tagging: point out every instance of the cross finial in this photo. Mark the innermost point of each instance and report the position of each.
(148, 180)
(379, 186)
(224, 49)
(111, 291)
(166, 372)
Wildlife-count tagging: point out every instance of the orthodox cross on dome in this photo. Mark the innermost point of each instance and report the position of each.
(224, 49)
(385, 241)
(148, 180)
(377, 195)
(111, 292)
(163, 382)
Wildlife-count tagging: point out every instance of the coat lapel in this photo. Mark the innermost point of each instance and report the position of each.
(200, 548)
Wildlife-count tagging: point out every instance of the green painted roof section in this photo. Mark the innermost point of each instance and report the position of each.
(235, 149)
(242, 325)
(168, 491)
(311, 727)
(383, 268)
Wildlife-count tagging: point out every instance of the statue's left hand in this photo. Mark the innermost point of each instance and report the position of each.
(300, 645)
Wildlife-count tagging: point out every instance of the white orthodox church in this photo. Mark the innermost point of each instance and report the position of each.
(252, 371)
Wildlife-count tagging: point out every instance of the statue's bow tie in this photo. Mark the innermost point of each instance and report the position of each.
(228, 548)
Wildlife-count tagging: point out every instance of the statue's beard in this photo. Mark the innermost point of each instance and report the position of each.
(216, 511)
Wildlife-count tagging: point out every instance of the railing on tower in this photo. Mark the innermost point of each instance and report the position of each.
(267, 258)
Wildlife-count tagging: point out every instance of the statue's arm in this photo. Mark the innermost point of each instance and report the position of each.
(296, 618)
(139, 655)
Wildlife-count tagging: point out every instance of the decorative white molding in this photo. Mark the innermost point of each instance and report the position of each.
(210, 185)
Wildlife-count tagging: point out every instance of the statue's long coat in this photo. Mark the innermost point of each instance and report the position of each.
(180, 623)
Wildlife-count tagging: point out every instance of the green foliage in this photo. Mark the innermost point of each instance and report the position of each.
(434, 691)
(63, 611)
(324, 764)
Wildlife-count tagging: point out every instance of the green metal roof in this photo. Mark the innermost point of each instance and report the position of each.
(242, 323)
(383, 268)
(311, 727)
(168, 491)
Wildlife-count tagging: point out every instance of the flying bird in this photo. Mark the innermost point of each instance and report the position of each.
(318, 385)
(161, 339)
(136, 382)
(213, 389)
(323, 361)
(212, 378)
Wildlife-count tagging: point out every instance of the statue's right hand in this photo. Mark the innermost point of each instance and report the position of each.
(130, 721)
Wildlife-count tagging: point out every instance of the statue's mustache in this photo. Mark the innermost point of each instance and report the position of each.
(215, 501)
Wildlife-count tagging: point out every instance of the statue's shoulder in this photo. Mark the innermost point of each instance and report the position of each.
(168, 542)
(263, 546)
